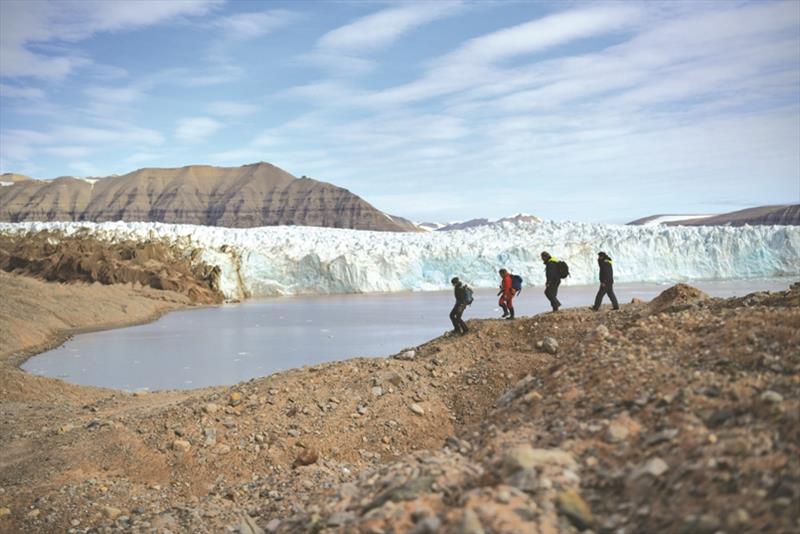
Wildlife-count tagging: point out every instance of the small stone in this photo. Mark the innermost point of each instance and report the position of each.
(416, 408)
(503, 496)
(4, 511)
(377, 391)
(738, 517)
(210, 408)
(575, 509)
(33, 513)
(211, 436)
(306, 457)
(772, 397)
(600, 333)
(427, 525)
(617, 433)
(654, 467)
(339, 519)
(517, 458)
(235, 398)
(181, 445)
(550, 345)
(293, 432)
(248, 525)
(407, 355)
(65, 428)
(273, 525)
(222, 449)
(470, 523)
(532, 396)
(163, 521)
(111, 512)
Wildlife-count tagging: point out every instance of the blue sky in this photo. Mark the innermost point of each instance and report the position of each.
(436, 111)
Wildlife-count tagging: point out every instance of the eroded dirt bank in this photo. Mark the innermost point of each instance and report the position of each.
(682, 415)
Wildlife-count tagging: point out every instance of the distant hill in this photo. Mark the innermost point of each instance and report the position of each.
(253, 195)
(472, 223)
(787, 215)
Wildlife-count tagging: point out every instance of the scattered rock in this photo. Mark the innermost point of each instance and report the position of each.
(4, 511)
(181, 445)
(616, 433)
(655, 467)
(574, 508)
(407, 355)
(248, 525)
(111, 512)
(470, 523)
(306, 457)
(210, 435)
(773, 397)
(550, 345)
(210, 408)
(416, 408)
(273, 525)
(600, 333)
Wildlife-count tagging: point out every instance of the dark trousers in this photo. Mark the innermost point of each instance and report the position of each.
(455, 317)
(551, 292)
(606, 289)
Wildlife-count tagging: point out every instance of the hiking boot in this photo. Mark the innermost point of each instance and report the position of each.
(510, 318)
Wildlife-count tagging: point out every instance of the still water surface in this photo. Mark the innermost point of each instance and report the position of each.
(235, 342)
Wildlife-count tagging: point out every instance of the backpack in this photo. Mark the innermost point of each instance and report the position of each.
(563, 269)
(468, 297)
(516, 282)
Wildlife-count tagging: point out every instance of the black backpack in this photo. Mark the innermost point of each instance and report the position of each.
(563, 269)
(468, 296)
(516, 283)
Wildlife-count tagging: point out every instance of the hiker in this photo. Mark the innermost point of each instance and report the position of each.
(553, 280)
(507, 293)
(606, 282)
(462, 293)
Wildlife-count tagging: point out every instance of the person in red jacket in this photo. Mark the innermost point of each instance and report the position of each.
(506, 294)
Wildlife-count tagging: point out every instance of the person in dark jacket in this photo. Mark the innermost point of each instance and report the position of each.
(553, 280)
(506, 294)
(606, 282)
(459, 326)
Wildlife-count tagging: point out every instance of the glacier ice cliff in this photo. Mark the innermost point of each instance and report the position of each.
(287, 260)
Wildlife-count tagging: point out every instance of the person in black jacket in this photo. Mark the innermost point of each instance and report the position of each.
(459, 326)
(606, 282)
(553, 280)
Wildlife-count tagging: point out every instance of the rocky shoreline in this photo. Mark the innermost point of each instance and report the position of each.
(681, 415)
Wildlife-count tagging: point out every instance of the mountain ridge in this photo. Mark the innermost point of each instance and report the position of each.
(252, 195)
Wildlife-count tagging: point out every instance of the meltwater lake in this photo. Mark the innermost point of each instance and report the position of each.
(235, 342)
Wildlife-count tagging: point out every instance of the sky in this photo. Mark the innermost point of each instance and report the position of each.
(434, 111)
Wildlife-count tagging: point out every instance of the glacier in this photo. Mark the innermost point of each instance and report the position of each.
(295, 260)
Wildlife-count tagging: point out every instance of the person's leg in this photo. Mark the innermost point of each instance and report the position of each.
(510, 304)
(598, 300)
(503, 305)
(454, 318)
(548, 292)
(613, 297)
(459, 313)
(555, 295)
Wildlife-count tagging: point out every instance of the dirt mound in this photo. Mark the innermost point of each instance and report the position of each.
(680, 295)
(55, 257)
(686, 421)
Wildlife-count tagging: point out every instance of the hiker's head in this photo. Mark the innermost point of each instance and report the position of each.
(545, 255)
(502, 272)
(455, 281)
(602, 255)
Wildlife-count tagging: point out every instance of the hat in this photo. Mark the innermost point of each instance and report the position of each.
(455, 280)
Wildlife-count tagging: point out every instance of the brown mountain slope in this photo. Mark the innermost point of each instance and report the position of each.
(259, 194)
(788, 215)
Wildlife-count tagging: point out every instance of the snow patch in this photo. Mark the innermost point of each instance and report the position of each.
(6, 184)
(293, 260)
(674, 218)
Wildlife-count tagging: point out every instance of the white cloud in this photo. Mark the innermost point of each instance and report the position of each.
(26, 93)
(196, 129)
(384, 27)
(230, 108)
(251, 25)
(68, 151)
(24, 23)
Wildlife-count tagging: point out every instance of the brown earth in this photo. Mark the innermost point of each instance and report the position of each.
(787, 215)
(253, 195)
(55, 257)
(683, 416)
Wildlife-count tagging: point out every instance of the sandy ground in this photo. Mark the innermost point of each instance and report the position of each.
(681, 415)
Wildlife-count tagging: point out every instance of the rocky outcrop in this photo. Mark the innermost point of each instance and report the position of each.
(54, 257)
(240, 197)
